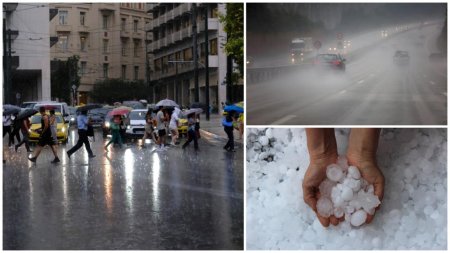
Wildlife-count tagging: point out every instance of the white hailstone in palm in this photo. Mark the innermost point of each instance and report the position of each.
(358, 218)
(338, 212)
(263, 140)
(334, 172)
(324, 207)
(325, 188)
(346, 193)
(354, 172)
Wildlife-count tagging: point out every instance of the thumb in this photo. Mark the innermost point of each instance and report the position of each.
(309, 196)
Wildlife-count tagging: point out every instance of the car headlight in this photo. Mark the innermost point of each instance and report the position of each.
(293, 60)
(107, 124)
(128, 127)
(63, 129)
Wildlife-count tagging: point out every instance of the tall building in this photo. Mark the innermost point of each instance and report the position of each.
(172, 53)
(26, 41)
(109, 38)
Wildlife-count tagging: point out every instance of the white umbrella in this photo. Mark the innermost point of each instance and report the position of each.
(167, 103)
(193, 110)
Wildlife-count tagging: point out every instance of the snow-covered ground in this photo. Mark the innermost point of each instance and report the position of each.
(413, 213)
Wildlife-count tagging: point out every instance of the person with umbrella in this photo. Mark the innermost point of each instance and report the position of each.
(82, 123)
(15, 132)
(173, 125)
(192, 135)
(7, 128)
(25, 126)
(115, 126)
(45, 138)
(161, 127)
(227, 123)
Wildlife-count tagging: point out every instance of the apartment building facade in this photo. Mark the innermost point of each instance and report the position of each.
(172, 54)
(109, 38)
(28, 26)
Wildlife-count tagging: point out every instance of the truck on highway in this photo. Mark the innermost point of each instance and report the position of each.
(301, 49)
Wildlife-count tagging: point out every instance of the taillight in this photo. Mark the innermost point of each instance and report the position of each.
(336, 62)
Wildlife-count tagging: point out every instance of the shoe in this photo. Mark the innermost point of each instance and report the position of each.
(226, 148)
(56, 160)
(92, 156)
(32, 159)
(68, 154)
(16, 147)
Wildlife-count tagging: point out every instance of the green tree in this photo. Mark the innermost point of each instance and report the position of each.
(64, 75)
(117, 90)
(233, 22)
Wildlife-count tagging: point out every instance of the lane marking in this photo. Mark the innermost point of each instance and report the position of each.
(361, 81)
(433, 83)
(283, 120)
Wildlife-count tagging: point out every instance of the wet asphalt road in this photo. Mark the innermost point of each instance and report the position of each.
(372, 91)
(130, 198)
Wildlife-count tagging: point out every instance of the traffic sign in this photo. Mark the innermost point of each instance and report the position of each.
(317, 45)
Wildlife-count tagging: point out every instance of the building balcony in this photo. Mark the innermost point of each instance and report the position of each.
(177, 36)
(63, 28)
(186, 32)
(184, 7)
(213, 25)
(124, 34)
(150, 7)
(155, 45)
(107, 8)
(149, 26)
(137, 35)
(83, 29)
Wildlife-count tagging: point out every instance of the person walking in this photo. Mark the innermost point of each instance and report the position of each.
(7, 128)
(25, 126)
(161, 127)
(227, 123)
(45, 138)
(82, 123)
(148, 132)
(53, 125)
(115, 132)
(173, 126)
(192, 135)
(15, 128)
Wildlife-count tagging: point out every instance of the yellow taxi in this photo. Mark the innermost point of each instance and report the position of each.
(62, 132)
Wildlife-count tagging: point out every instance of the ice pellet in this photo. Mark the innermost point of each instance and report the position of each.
(324, 207)
(358, 218)
(334, 172)
(354, 172)
(263, 140)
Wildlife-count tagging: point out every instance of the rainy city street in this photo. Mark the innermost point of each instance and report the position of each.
(129, 198)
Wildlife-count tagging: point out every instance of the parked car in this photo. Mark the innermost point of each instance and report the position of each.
(62, 133)
(330, 61)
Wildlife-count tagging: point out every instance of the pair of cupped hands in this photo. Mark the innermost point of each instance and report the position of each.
(361, 153)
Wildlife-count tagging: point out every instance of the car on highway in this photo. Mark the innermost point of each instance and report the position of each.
(62, 131)
(136, 127)
(401, 57)
(330, 61)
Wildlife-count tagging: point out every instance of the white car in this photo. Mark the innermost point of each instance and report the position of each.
(136, 127)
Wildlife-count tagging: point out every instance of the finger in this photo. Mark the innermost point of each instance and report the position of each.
(334, 220)
(379, 188)
(309, 197)
(369, 218)
(324, 221)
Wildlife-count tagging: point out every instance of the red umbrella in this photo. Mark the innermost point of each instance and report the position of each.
(119, 111)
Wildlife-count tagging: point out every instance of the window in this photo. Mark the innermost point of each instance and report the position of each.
(136, 72)
(187, 54)
(124, 24)
(213, 11)
(105, 70)
(213, 47)
(135, 26)
(83, 43)
(136, 49)
(64, 42)
(105, 22)
(124, 48)
(164, 64)
(124, 71)
(63, 17)
(158, 64)
(178, 56)
(105, 46)
(82, 17)
(83, 68)
(202, 50)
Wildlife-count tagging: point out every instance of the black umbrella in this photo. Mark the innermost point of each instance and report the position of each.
(26, 113)
(88, 107)
(10, 109)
